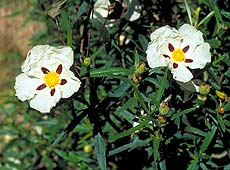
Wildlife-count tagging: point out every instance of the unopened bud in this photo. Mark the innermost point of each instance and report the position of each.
(202, 98)
(87, 148)
(164, 108)
(221, 95)
(121, 39)
(161, 118)
(136, 78)
(140, 68)
(221, 109)
(204, 89)
(87, 61)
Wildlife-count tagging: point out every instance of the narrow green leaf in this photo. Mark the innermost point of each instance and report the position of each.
(82, 9)
(136, 143)
(61, 153)
(46, 122)
(109, 71)
(208, 138)
(226, 14)
(94, 55)
(143, 41)
(221, 122)
(186, 111)
(100, 151)
(203, 166)
(68, 28)
(129, 131)
(188, 11)
(206, 19)
(156, 144)
(120, 91)
(60, 137)
(161, 90)
(193, 165)
(194, 130)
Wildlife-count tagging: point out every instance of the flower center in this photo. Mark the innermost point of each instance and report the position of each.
(51, 79)
(178, 55)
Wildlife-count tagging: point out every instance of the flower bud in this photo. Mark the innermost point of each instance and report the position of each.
(221, 109)
(221, 95)
(136, 78)
(140, 68)
(202, 98)
(87, 148)
(161, 118)
(164, 108)
(86, 61)
(204, 89)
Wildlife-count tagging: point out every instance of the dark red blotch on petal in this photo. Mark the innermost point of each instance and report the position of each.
(171, 48)
(52, 92)
(185, 49)
(42, 86)
(59, 69)
(188, 60)
(45, 70)
(63, 81)
(175, 65)
(166, 56)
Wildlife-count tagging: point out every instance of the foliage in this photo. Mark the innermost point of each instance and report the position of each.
(94, 128)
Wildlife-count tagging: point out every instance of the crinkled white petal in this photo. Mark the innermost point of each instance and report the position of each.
(201, 56)
(73, 84)
(42, 55)
(34, 56)
(26, 87)
(181, 73)
(43, 101)
(62, 54)
(163, 34)
(155, 57)
(191, 34)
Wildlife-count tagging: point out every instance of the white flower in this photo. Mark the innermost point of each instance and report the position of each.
(46, 77)
(102, 8)
(179, 50)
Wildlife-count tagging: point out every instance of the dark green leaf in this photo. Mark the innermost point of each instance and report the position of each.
(100, 151)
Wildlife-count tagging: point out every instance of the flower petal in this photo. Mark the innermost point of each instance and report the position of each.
(62, 54)
(26, 87)
(191, 34)
(101, 9)
(154, 56)
(181, 73)
(44, 56)
(71, 86)
(166, 35)
(201, 56)
(34, 56)
(44, 102)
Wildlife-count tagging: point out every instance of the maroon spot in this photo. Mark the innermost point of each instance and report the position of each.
(188, 60)
(175, 65)
(63, 81)
(59, 69)
(166, 56)
(171, 48)
(185, 49)
(52, 92)
(42, 86)
(45, 70)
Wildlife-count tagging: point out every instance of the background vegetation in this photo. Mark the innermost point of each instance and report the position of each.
(94, 128)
